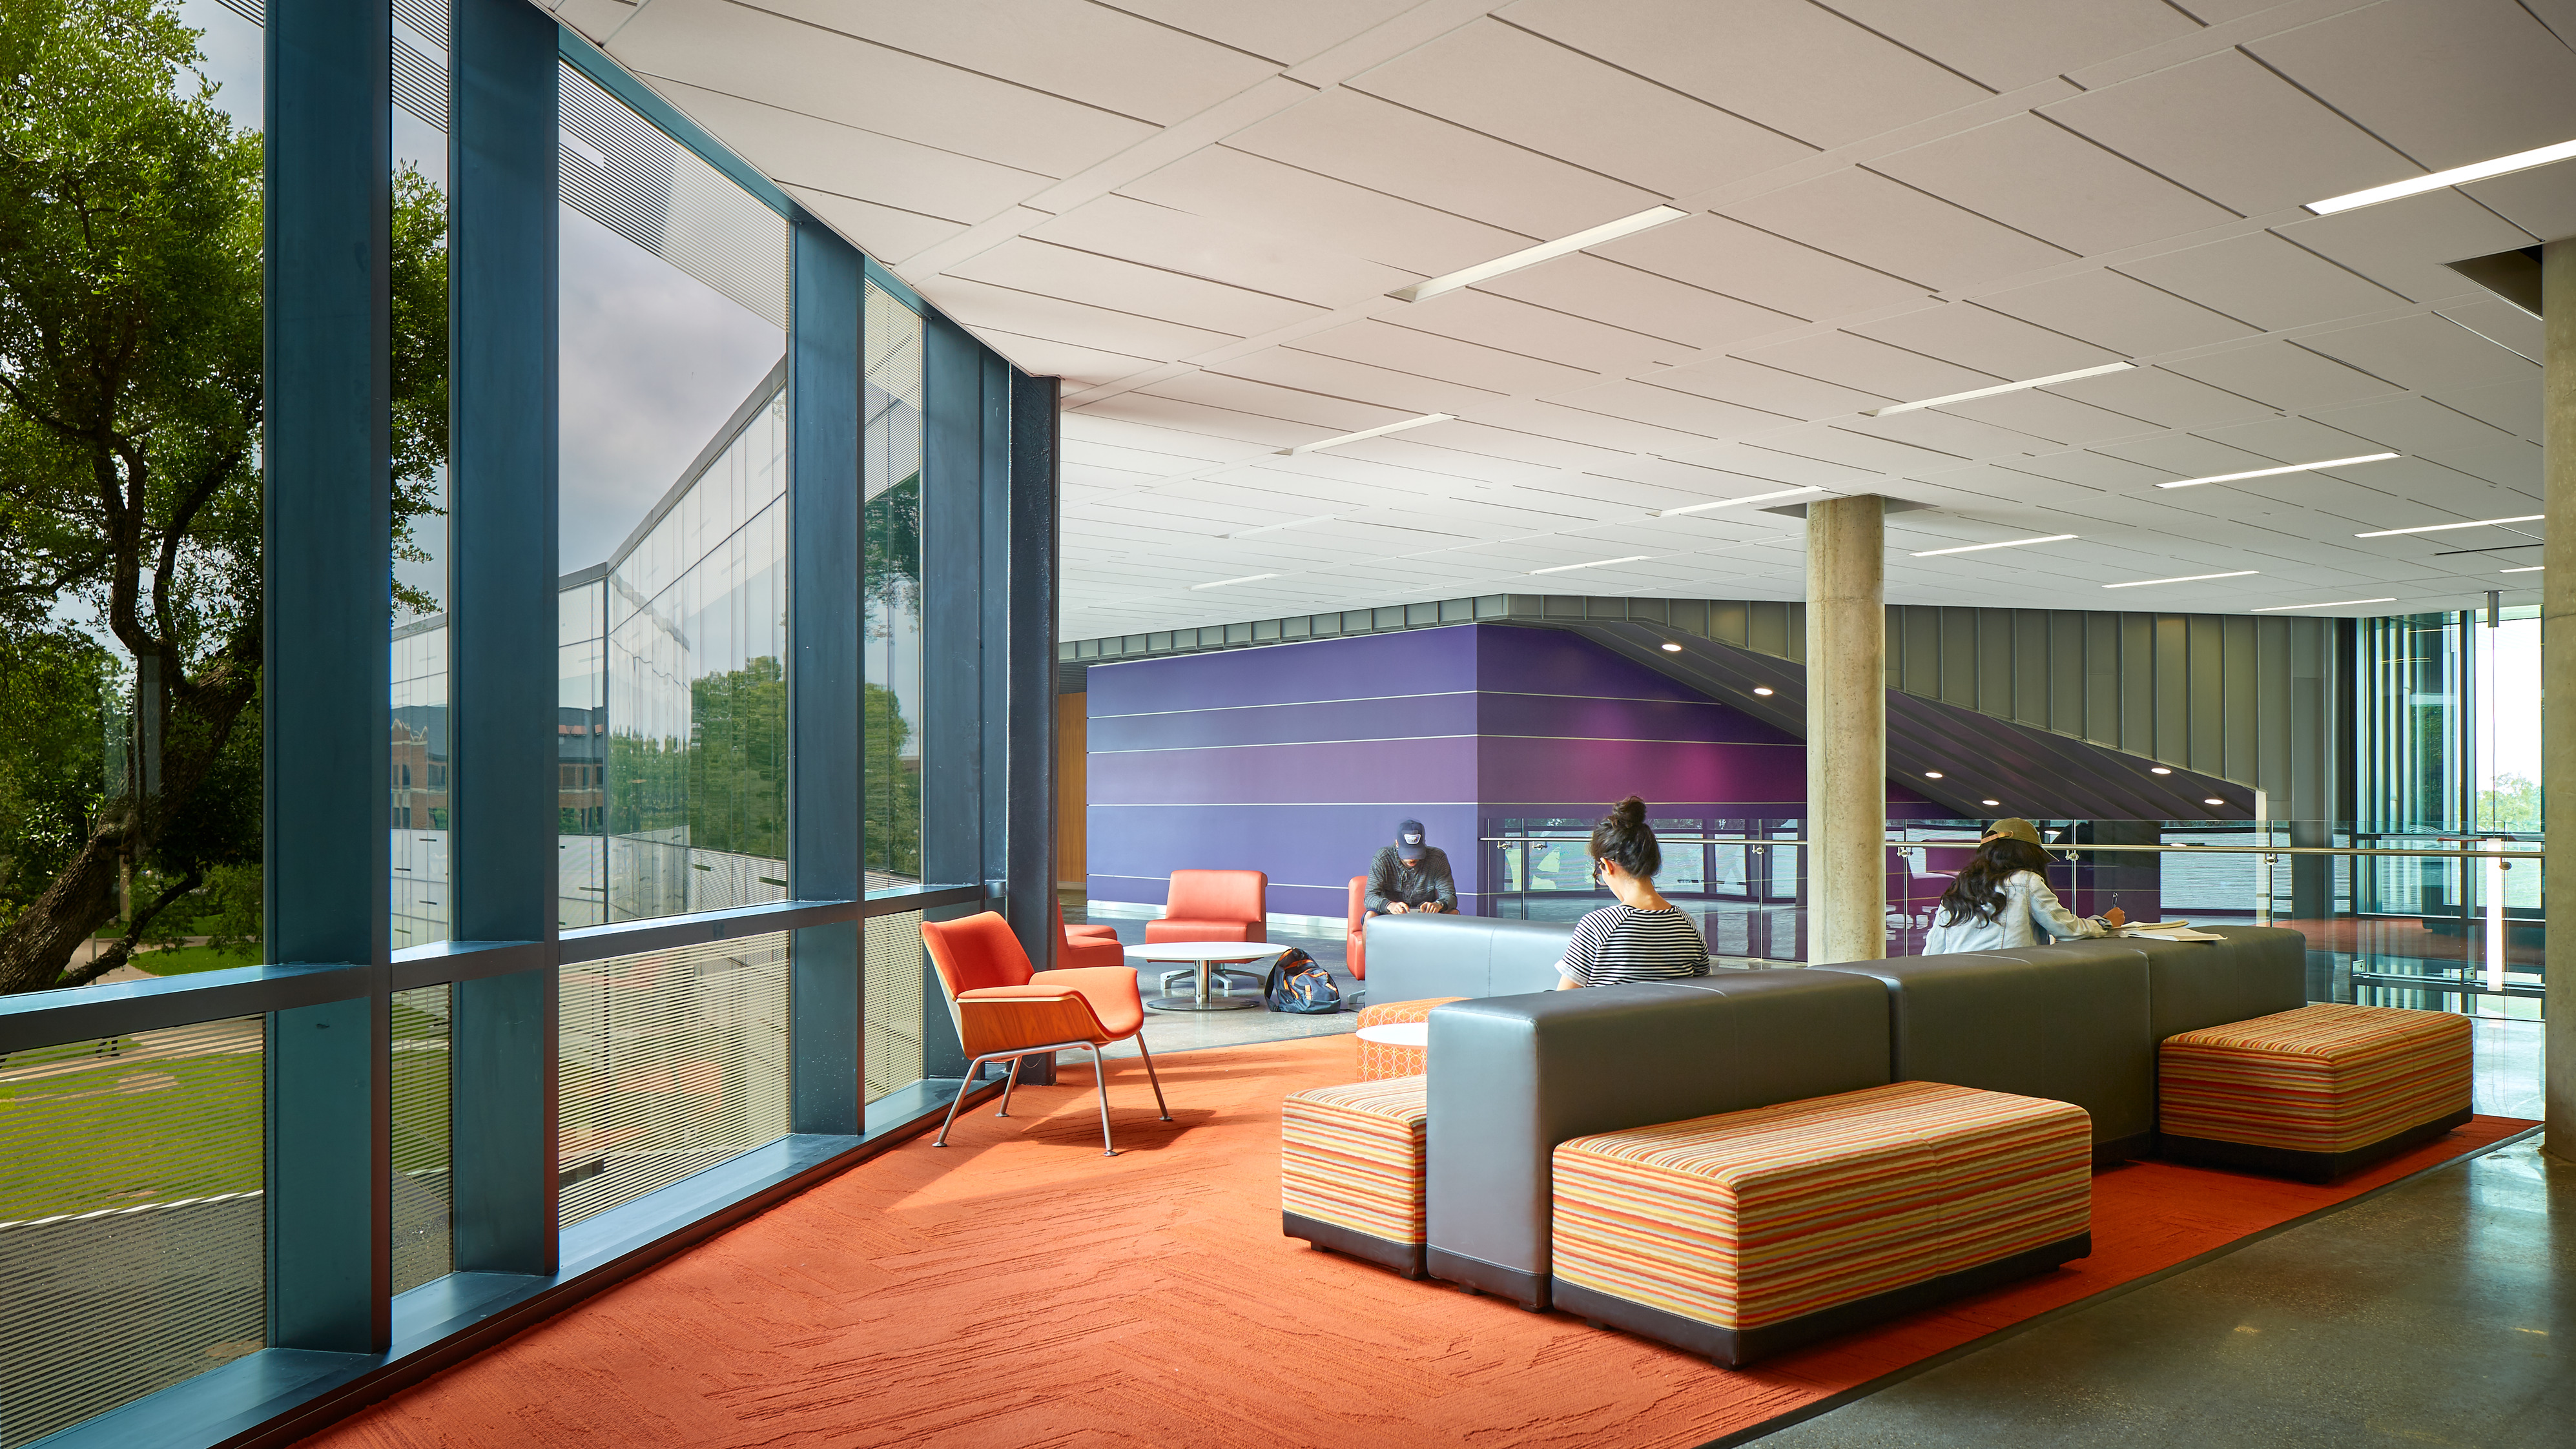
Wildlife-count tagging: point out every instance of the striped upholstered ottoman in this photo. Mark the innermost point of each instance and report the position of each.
(1350, 1170)
(1378, 1060)
(2313, 1093)
(1747, 1233)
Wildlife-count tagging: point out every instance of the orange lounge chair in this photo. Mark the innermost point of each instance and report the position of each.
(1006, 1010)
(1089, 947)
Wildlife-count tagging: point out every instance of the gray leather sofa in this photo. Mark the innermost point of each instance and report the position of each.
(1517, 1075)
(1415, 957)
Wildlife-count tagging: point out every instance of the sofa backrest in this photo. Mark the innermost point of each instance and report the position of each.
(1217, 895)
(1416, 956)
(1513, 1076)
(2256, 971)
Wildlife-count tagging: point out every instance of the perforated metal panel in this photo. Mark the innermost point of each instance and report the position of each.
(673, 1061)
(132, 1231)
(422, 1196)
(893, 1002)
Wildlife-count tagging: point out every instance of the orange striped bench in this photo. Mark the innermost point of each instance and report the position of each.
(1748, 1233)
(1350, 1169)
(1378, 1060)
(2313, 1093)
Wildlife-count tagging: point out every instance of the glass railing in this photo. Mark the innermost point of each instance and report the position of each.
(2433, 920)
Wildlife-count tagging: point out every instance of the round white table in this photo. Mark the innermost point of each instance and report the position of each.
(1399, 1034)
(1205, 955)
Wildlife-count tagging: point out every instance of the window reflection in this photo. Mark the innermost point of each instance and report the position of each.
(890, 477)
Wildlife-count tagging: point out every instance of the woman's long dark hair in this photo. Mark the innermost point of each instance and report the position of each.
(1623, 836)
(1978, 892)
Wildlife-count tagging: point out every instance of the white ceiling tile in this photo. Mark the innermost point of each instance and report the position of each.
(2064, 420)
(1220, 251)
(1053, 271)
(2501, 323)
(802, 150)
(2265, 281)
(1329, 416)
(1943, 432)
(2093, 470)
(1645, 403)
(1406, 349)
(2127, 316)
(1241, 427)
(1749, 460)
(2191, 122)
(1866, 218)
(2290, 440)
(979, 305)
(2424, 353)
(2542, 201)
(1039, 357)
(2427, 429)
(1404, 153)
(1987, 341)
(2284, 375)
(1284, 33)
(880, 231)
(2053, 184)
(1470, 449)
(2010, 43)
(1516, 326)
(2446, 81)
(1871, 366)
(1640, 301)
(1787, 64)
(2402, 245)
(1270, 197)
(2159, 396)
(1339, 377)
(1752, 385)
(1724, 256)
(769, 58)
(1536, 93)
(1856, 450)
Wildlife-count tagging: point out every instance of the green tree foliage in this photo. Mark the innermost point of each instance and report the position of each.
(131, 392)
(2513, 803)
(738, 761)
(893, 812)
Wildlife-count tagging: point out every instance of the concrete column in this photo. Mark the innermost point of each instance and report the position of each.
(2558, 686)
(1847, 731)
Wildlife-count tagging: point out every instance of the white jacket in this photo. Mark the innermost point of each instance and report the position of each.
(2029, 916)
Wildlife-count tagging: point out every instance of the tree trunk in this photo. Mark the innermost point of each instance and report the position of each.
(36, 950)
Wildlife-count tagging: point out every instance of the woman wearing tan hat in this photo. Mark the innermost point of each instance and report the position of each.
(2001, 898)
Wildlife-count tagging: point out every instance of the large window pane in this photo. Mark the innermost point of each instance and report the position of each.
(672, 725)
(672, 1062)
(418, 771)
(890, 477)
(423, 1199)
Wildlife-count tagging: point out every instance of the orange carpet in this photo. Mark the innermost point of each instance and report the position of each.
(1017, 1288)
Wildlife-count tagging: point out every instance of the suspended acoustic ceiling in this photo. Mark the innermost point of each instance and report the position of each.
(1196, 212)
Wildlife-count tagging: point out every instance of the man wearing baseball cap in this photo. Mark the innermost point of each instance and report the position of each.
(1410, 875)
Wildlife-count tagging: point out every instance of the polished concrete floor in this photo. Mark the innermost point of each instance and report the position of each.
(1179, 1031)
(2429, 1313)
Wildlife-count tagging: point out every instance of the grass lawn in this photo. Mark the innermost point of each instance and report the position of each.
(127, 1132)
(184, 960)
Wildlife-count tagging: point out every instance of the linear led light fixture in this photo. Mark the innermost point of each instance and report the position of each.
(1731, 502)
(2532, 569)
(1365, 434)
(2183, 579)
(2275, 472)
(1221, 583)
(2456, 176)
(2447, 527)
(1292, 523)
(1981, 547)
(1652, 216)
(1973, 393)
(2330, 604)
(1594, 564)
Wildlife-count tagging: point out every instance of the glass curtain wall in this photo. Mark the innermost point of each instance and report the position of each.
(890, 479)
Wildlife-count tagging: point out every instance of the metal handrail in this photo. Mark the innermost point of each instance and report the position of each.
(2076, 848)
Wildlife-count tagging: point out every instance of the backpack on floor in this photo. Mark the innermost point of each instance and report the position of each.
(1298, 985)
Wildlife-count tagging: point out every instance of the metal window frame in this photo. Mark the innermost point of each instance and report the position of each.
(341, 1338)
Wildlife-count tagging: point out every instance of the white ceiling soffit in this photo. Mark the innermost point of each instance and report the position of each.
(1194, 211)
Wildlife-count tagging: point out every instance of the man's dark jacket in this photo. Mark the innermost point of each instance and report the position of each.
(1390, 879)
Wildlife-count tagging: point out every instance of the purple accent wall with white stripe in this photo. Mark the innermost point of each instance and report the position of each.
(1299, 759)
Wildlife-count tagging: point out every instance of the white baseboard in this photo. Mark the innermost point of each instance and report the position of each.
(1325, 926)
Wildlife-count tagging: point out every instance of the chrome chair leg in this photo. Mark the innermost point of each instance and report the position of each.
(1153, 1077)
(963, 1087)
(1008, 1083)
(1100, 1079)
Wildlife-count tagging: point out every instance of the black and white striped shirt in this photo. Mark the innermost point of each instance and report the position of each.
(1622, 943)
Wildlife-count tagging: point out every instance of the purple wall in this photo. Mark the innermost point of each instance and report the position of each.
(1299, 759)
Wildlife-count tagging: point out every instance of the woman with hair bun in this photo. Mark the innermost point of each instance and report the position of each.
(1643, 937)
